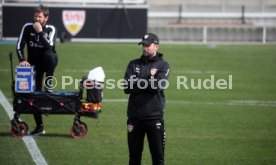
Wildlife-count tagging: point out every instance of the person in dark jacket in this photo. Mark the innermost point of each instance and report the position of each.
(145, 81)
(40, 39)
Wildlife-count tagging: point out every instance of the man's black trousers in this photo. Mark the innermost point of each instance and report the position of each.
(45, 63)
(154, 129)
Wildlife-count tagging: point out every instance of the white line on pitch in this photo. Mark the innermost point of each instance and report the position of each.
(28, 140)
(264, 103)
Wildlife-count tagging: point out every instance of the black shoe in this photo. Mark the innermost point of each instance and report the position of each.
(38, 131)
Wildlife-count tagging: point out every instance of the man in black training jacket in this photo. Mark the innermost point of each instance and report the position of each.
(40, 39)
(145, 81)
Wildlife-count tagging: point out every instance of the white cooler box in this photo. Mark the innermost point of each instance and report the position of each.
(25, 79)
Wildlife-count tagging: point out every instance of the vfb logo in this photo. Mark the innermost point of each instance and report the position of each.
(73, 20)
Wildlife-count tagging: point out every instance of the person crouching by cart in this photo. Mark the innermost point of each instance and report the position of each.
(40, 39)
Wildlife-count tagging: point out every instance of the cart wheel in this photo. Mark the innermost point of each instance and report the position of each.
(81, 122)
(20, 130)
(78, 131)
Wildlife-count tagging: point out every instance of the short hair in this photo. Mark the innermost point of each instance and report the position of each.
(43, 9)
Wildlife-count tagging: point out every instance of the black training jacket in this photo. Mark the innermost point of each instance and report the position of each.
(145, 81)
(36, 42)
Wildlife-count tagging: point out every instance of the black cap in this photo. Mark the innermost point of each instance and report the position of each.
(149, 38)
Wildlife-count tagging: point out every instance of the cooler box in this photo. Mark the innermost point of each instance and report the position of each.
(25, 79)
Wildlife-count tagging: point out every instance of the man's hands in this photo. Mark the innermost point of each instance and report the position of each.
(24, 63)
(37, 27)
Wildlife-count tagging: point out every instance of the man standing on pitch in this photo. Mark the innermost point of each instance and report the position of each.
(40, 39)
(145, 81)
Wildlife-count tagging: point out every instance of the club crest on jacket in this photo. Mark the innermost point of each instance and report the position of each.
(153, 71)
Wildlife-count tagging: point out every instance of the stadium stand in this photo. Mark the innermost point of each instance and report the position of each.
(213, 20)
(271, 3)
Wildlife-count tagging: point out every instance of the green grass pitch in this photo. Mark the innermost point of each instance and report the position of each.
(203, 126)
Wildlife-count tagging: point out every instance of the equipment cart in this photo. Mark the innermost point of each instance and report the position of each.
(49, 103)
